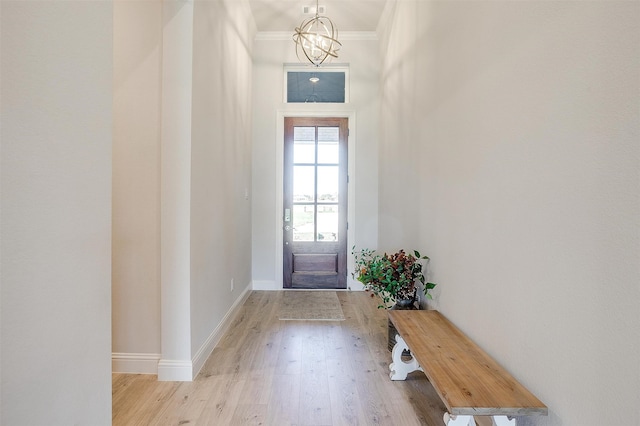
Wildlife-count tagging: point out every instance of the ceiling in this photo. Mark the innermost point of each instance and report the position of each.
(347, 15)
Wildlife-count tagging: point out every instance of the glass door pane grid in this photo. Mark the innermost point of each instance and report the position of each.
(315, 183)
(317, 202)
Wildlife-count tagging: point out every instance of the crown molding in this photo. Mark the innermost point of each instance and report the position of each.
(344, 35)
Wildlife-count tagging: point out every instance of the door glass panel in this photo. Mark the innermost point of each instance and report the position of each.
(328, 134)
(328, 184)
(304, 152)
(304, 145)
(304, 184)
(304, 133)
(327, 223)
(303, 225)
(328, 151)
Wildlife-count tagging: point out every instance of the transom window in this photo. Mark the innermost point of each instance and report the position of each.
(321, 85)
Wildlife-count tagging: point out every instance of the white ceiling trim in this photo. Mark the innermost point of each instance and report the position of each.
(287, 35)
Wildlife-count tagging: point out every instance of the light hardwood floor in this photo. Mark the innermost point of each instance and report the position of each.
(266, 371)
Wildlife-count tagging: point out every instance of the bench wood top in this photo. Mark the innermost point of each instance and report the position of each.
(467, 379)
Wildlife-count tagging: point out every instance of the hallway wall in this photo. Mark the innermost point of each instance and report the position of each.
(221, 163)
(55, 302)
(524, 120)
(182, 179)
(137, 65)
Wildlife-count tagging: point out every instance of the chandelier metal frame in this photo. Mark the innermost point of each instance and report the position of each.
(317, 39)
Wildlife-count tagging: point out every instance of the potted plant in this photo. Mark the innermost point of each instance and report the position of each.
(392, 277)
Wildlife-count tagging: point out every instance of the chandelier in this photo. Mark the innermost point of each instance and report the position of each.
(316, 39)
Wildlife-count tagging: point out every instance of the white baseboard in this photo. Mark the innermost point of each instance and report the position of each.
(133, 363)
(170, 370)
(265, 285)
(176, 370)
(205, 350)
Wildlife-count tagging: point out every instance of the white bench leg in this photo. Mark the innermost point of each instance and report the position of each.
(399, 368)
(451, 420)
(503, 421)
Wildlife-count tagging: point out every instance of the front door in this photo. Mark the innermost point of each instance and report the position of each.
(315, 202)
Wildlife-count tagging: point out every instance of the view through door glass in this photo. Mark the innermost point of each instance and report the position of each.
(315, 203)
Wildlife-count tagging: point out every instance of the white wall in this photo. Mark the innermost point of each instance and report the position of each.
(401, 93)
(221, 164)
(137, 65)
(271, 52)
(56, 212)
(526, 122)
(182, 180)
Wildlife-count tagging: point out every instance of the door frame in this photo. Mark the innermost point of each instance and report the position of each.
(279, 224)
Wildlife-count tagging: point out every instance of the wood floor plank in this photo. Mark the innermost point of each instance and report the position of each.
(140, 399)
(186, 405)
(315, 400)
(345, 406)
(272, 372)
(290, 352)
(224, 400)
(284, 404)
(249, 414)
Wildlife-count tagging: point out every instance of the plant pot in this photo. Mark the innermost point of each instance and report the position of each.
(401, 305)
(405, 304)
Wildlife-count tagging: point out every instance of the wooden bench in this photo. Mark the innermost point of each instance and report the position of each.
(466, 378)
